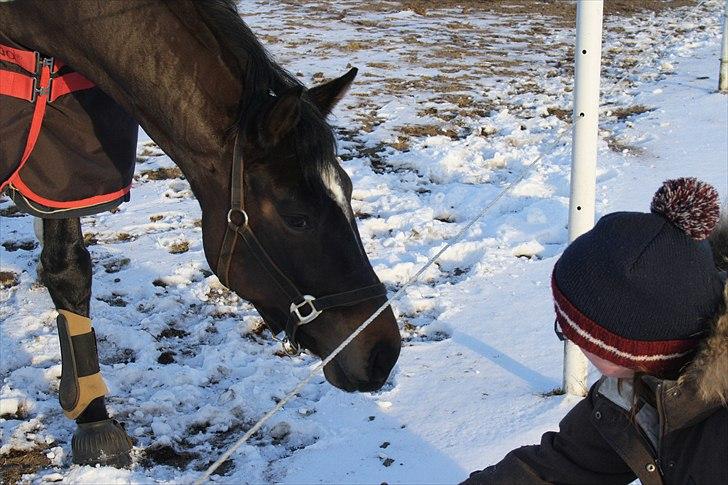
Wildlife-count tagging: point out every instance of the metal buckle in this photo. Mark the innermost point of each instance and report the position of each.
(307, 300)
(40, 63)
(239, 211)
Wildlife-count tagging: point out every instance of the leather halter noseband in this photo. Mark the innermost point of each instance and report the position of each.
(304, 308)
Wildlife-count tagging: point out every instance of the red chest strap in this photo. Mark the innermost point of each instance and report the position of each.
(40, 87)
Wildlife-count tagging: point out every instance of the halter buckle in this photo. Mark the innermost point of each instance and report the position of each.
(312, 315)
(234, 220)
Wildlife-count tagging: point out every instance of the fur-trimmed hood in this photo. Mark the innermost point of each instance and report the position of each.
(708, 371)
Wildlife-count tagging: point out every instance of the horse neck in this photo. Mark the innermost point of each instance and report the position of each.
(163, 66)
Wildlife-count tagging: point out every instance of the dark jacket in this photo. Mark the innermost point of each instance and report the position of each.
(679, 435)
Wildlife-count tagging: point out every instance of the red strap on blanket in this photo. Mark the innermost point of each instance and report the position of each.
(16, 85)
(40, 88)
(25, 59)
(69, 83)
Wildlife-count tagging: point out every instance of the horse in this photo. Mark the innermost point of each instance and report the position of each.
(260, 157)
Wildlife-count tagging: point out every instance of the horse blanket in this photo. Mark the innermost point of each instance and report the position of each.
(83, 159)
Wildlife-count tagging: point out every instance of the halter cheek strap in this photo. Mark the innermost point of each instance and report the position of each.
(303, 308)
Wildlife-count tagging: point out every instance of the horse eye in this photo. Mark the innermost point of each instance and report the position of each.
(297, 222)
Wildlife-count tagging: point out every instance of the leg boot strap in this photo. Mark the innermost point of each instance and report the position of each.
(81, 380)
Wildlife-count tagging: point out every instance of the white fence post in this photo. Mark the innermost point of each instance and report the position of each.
(588, 57)
(723, 79)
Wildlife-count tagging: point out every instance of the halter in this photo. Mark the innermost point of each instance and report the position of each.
(304, 308)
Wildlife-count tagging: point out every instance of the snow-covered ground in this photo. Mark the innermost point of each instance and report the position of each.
(449, 107)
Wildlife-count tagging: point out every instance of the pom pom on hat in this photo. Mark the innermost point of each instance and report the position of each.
(689, 204)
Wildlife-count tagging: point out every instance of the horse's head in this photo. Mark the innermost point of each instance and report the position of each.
(298, 206)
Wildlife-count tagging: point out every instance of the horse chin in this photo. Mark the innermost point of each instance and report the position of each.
(337, 377)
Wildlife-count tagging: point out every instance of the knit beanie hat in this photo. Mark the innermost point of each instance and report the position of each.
(641, 290)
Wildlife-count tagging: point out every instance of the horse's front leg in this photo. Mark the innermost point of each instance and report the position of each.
(66, 272)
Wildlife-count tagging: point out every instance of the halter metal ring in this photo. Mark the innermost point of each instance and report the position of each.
(238, 211)
(312, 315)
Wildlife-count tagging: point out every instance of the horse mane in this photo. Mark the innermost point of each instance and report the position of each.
(262, 76)
(260, 72)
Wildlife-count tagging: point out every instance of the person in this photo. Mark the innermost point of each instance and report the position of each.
(642, 295)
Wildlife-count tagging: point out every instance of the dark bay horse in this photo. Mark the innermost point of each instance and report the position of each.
(254, 145)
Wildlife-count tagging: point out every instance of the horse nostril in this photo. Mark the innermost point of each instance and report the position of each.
(381, 361)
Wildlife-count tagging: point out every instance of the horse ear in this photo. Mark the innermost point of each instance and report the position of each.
(325, 96)
(280, 118)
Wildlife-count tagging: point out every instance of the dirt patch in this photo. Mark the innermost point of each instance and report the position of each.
(116, 265)
(626, 112)
(619, 146)
(124, 236)
(12, 246)
(123, 356)
(562, 114)
(89, 239)
(225, 467)
(170, 332)
(561, 9)
(428, 130)
(163, 174)
(18, 463)
(179, 247)
(166, 455)
(8, 279)
(166, 357)
(11, 211)
(113, 300)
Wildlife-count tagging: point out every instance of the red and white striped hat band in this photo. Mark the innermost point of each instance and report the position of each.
(641, 355)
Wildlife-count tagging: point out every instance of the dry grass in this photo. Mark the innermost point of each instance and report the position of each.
(17, 463)
(179, 247)
(163, 174)
(12, 246)
(562, 10)
(626, 112)
(8, 279)
(560, 113)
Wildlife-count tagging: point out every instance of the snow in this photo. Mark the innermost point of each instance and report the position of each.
(427, 144)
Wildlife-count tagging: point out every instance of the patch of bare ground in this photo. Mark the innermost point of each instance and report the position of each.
(166, 455)
(565, 10)
(16, 463)
(8, 279)
(27, 245)
(560, 113)
(627, 111)
(11, 211)
(89, 239)
(179, 247)
(620, 147)
(162, 174)
(429, 130)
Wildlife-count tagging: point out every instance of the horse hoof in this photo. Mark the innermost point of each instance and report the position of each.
(102, 442)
